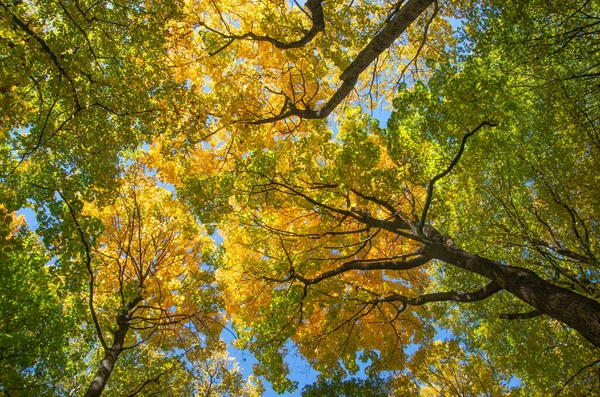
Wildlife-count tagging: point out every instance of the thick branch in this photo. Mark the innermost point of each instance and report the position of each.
(318, 25)
(361, 265)
(386, 36)
(381, 42)
(577, 311)
(521, 316)
(481, 294)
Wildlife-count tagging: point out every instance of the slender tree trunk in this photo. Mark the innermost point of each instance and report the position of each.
(110, 358)
(575, 310)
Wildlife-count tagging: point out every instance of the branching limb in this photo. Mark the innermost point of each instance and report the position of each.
(314, 236)
(375, 200)
(521, 316)
(481, 294)
(409, 12)
(397, 226)
(450, 167)
(315, 13)
(576, 375)
(382, 264)
(156, 379)
(88, 263)
(397, 25)
(423, 42)
(45, 48)
(564, 252)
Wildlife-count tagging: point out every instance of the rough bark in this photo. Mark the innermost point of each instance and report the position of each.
(381, 42)
(577, 311)
(397, 25)
(110, 358)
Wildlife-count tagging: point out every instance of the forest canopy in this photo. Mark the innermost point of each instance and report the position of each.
(407, 191)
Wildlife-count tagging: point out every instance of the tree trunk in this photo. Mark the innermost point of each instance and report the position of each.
(575, 310)
(110, 358)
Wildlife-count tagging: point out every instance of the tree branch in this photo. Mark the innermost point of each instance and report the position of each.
(450, 167)
(521, 316)
(88, 263)
(420, 260)
(481, 294)
(397, 25)
(422, 44)
(360, 216)
(315, 8)
(564, 252)
(575, 375)
(45, 48)
(156, 379)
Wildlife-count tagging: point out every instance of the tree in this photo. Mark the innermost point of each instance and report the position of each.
(329, 265)
(39, 333)
(336, 234)
(481, 189)
(150, 298)
(150, 282)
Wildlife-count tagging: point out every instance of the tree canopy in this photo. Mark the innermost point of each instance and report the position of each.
(198, 168)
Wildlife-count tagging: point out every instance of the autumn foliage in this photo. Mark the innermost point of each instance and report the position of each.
(403, 191)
